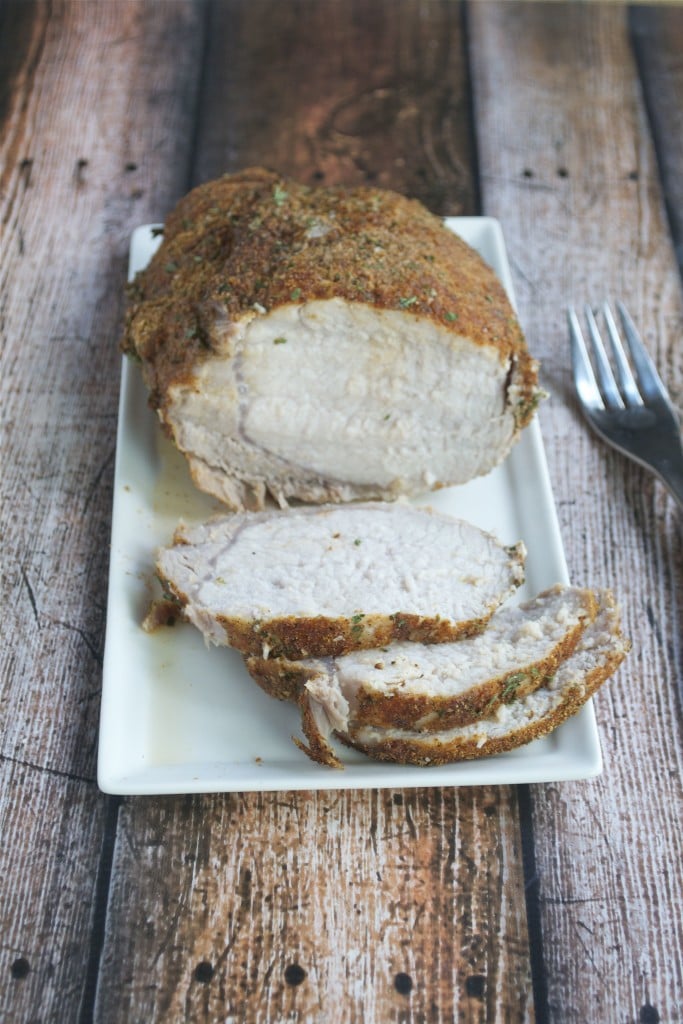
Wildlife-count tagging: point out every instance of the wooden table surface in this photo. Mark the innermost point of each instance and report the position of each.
(556, 902)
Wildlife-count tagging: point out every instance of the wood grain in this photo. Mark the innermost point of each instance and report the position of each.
(390, 905)
(94, 130)
(50, 850)
(341, 91)
(67, 220)
(567, 164)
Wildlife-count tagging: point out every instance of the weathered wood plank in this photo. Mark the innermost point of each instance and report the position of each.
(359, 906)
(93, 141)
(50, 851)
(83, 163)
(340, 91)
(391, 905)
(567, 164)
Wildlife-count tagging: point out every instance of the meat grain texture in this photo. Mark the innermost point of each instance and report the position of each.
(316, 581)
(325, 345)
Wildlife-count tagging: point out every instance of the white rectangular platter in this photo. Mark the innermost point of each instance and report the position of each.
(178, 717)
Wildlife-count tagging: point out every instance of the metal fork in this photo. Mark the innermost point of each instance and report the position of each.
(627, 406)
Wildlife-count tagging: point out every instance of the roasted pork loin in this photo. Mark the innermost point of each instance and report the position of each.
(325, 344)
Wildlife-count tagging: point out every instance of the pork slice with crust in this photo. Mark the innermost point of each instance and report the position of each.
(517, 719)
(314, 581)
(429, 688)
(596, 657)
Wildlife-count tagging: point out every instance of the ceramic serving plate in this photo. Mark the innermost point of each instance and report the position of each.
(178, 717)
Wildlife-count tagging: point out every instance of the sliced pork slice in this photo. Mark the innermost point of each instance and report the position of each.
(436, 686)
(596, 657)
(517, 721)
(326, 344)
(317, 581)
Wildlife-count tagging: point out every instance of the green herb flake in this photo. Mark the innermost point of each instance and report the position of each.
(357, 617)
(358, 542)
(296, 294)
(409, 301)
(279, 195)
(279, 341)
(171, 268)
(512, 683)
(450, 316)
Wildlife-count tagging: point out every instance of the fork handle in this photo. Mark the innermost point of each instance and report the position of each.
(671, 475)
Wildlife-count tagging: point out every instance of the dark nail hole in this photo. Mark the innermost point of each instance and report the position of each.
(131, 167)
(26, 166)
(528, 173)
(398, 799)
(371, 175)
(562, 172)
(475, 985)
(81, 164)
(203, 972)
(318, 175)
(294, 974)
(633, 175)
(649, 1015)
(20, 968)
(403, 983)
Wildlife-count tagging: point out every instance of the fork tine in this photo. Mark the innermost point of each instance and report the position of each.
(650, 383)
(608, 384)
(584, 377)
(627, 383)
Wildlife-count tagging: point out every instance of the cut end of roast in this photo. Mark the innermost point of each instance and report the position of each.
(326, 345)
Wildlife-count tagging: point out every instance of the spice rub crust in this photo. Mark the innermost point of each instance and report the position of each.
(247, 243)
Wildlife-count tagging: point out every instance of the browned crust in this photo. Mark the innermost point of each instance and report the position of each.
(285, 680)
(429, 753)
(278, 677)
(245, 239)
(318, 748)
(402, 711)
(162, 612)
(293, 638)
